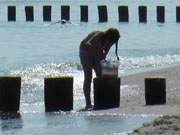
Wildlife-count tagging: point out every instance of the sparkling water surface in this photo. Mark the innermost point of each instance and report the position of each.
(39, 49)
(74, 124)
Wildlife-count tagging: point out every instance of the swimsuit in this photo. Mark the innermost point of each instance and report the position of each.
(82, 51)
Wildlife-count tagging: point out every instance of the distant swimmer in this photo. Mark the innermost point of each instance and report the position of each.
(62, 22)
(93, 49)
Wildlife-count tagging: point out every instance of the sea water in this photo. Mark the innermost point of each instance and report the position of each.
(38, 49)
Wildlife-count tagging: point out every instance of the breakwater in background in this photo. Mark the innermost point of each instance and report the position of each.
(90, 10)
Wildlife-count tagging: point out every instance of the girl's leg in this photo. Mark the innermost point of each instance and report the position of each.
(86, 61)
(87, 86)
(97, 67)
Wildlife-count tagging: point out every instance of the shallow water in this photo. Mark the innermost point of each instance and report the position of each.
(72, 123)
(38, 49)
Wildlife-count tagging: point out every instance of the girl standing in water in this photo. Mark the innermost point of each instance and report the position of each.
(93, 49)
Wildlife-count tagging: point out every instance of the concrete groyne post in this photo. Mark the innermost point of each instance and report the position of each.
(84, 13)
(11, 13)
(58, 93)
(10, 90)
(155, 91)
(47, 13)
(160, 14)
(178, 14)
(29, 10)
(102, 12)
(106, 92)
(142, 10)
(65, 12)
(123, 13)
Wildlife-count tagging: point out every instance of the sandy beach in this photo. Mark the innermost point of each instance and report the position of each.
(170, 122)
(134, 102)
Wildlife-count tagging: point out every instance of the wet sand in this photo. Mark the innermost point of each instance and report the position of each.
(134, 104)
(170, 122)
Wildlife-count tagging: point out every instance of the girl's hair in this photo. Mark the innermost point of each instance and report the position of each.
(112, 34)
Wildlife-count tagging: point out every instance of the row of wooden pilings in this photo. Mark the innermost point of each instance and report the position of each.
(123, 13)
(58, 93)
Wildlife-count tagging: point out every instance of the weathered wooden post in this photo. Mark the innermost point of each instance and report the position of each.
(9, 96)
(142, 14)
(160, 14)
(47, 13)
(58, 93)
(106, 92)
(84, 13)
(155, 91)
(29, 10)
(123, 14)
(178, 14)
(102, 12)
(65, 12)
(11, 13)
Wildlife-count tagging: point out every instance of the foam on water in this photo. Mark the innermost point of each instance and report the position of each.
(152, 61)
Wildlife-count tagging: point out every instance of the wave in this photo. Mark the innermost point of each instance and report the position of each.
(39, 71)
(141, 63)
(33, 76)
